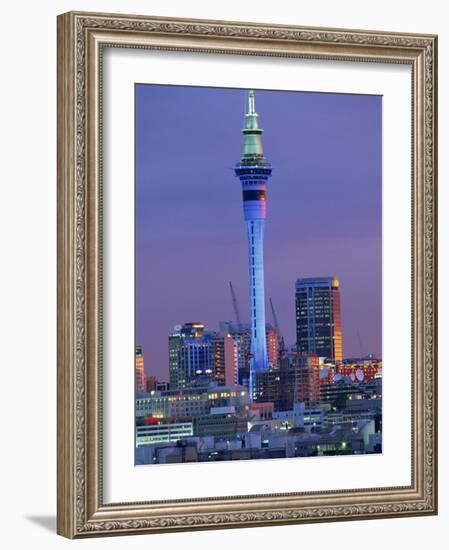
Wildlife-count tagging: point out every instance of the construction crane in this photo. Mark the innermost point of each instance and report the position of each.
(276, 326)
(236, 308)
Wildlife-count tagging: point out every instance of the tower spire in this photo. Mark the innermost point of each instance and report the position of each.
(251, 117)
(251, 102)
(252, 144)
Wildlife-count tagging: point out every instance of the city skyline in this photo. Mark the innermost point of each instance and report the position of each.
(189, 242)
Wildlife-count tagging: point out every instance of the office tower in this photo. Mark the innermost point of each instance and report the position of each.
(225, 359)
(198, 356)
(189, 355)
(253, 172)
(139, 371)
(272, 346)
(242, 338)
(318, 318)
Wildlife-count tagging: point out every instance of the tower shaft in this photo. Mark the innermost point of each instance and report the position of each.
(259, 358)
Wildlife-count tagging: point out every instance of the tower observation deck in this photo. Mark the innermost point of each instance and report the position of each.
(254, 171)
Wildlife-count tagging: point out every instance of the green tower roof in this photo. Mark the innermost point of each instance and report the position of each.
(252, 145)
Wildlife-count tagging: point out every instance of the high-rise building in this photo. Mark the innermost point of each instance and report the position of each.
(272, 346)
(139, 371)
(189, 355)
(225, 359)
(318, 318)
(242, 337)
(253, 172)
(198, 356)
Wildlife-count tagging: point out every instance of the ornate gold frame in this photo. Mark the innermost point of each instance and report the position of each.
(81, 37)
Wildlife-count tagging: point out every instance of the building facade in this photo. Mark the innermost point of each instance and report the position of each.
(221, 425)
(198, 356)
(362, 369)
(253, 172)
(139, 371)
(189, 355)
(225, 359)
(242, 337)
(192, 402)
(297, 380)
(162, 432)
(150, 383)
(318, 318)
(272, 346)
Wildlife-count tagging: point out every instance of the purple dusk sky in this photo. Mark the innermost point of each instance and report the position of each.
(324, 213)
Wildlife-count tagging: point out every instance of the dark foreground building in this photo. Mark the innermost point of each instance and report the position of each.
(297, 380)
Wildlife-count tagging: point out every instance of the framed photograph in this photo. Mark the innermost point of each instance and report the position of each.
(246, 274)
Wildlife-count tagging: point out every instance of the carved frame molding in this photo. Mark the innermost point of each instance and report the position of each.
(81, 39)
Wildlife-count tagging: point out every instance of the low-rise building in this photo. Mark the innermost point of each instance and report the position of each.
(161, 432)
(225, 425)
(191, 402)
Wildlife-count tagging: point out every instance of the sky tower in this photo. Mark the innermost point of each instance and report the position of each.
(253, 171)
